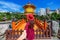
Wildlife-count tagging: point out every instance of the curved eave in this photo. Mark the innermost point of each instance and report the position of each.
(26, 6)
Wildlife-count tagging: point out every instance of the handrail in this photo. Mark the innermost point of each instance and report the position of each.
(41, 24)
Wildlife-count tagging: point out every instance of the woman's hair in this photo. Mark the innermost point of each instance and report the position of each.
(31, 24)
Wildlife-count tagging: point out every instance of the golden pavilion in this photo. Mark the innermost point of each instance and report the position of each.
(29, 8)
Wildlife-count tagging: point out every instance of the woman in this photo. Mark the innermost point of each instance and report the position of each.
(29, 28)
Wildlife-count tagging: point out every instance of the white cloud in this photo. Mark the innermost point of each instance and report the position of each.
(8, 6)
(3, 10)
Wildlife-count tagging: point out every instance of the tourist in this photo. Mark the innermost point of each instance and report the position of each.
(28, 28)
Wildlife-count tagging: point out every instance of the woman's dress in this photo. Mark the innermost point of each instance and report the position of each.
(29, 32)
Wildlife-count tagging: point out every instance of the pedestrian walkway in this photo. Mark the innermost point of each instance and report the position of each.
(52, 38)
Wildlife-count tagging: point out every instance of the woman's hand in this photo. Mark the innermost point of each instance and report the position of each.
(19, 38)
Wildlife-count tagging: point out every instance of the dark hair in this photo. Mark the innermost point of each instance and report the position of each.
(31, 24)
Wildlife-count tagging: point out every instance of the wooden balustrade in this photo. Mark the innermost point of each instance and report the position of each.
(14, 34)
(39, 33)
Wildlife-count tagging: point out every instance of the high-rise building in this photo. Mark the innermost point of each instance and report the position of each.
(47, 10)
(42, 11)
(57, 11)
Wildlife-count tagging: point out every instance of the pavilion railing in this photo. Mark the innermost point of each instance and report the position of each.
(14, 34)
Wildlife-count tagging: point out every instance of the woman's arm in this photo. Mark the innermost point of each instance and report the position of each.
(23, 36)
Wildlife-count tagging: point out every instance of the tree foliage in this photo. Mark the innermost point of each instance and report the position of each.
(9, 16)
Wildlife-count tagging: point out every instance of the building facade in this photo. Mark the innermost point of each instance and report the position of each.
(46, 11)
(42, 12)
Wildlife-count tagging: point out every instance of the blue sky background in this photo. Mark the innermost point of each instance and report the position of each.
(17, 5)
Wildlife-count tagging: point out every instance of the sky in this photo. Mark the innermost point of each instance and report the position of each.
(17, 5)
